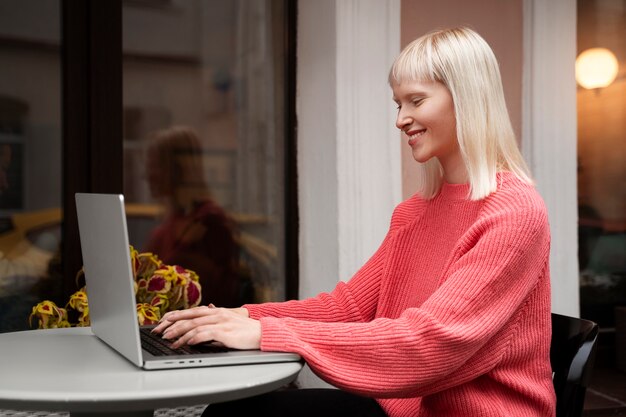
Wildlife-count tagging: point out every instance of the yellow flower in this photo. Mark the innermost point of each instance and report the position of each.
(78, 300)
(147, 314)
(158, 288)
(83, 318)
(161, 301)
(144, 264)
(49, 315)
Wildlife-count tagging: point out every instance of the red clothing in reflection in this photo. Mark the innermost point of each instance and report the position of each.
(204, 241)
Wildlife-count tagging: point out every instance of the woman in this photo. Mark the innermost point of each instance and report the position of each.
(451, 316)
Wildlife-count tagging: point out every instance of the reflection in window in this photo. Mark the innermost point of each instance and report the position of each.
(30, 158)
(602, 160)
(204, 140)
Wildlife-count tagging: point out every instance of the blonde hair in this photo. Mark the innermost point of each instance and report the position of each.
(177, 151)
(462, 60)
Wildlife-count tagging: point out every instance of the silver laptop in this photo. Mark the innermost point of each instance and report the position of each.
(112, 306)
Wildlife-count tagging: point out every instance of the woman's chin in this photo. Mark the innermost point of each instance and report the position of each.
(420, 157)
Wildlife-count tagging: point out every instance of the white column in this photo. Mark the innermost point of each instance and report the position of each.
(368, 144)
(549, 134)
(316, 111)
(348, 149)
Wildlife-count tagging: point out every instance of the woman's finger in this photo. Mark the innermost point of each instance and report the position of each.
(194, 336)
(172, 317)
(181, 327)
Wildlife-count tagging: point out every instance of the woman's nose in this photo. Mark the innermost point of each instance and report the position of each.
(402, 120)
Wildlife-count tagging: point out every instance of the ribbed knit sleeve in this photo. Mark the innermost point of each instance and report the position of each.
(354, 301)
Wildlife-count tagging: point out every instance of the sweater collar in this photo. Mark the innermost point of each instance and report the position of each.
(454, 191)
(461, 191)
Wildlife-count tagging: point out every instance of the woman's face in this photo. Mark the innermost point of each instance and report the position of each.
(427, 121)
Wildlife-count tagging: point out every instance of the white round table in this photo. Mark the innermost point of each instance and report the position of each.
(71, 370)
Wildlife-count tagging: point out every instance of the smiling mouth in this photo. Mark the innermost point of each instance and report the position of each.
(414, 134)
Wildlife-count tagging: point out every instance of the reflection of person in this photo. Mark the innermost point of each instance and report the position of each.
(451, 316)
(195, 233)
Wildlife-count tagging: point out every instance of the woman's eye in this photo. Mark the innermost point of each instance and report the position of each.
(417, 102)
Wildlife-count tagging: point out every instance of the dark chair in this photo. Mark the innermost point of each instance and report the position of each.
(572, 354)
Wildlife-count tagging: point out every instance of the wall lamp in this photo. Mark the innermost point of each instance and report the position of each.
(596, 68)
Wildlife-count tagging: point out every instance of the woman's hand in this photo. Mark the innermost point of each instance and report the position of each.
(231, 327)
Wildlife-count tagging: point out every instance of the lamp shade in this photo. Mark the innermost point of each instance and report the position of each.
(596, 68)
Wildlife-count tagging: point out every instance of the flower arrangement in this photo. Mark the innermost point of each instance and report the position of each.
(159, 288)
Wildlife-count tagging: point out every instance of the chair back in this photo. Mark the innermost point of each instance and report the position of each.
(572, 355)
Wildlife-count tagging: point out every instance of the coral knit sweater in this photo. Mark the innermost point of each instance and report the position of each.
(450, 316)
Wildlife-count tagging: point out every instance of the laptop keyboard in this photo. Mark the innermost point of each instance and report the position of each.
(158, 346)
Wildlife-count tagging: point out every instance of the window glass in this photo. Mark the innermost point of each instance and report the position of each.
(204, 140)
(30, 158)
(601, 98)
